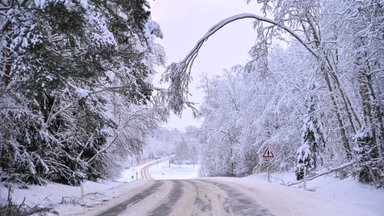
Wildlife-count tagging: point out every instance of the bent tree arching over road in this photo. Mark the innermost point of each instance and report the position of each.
(359, 134)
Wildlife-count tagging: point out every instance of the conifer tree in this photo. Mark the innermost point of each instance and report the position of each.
(308, 154)
(70, 70)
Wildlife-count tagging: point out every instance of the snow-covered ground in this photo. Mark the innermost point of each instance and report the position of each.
(67, 200)
(348, 196)
(341, 196)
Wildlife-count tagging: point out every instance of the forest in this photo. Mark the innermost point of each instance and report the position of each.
(316, 98)
(77, 96)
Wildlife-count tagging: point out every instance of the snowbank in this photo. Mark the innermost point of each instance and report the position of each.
(326, 195)
(67, 200)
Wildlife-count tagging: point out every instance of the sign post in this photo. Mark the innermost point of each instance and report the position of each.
(268, 154)
(305, 178)
(82, 188)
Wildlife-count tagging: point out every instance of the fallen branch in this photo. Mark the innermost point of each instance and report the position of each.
(325, 173)
(22, 209)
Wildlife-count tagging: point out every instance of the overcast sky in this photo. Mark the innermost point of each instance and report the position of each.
(184, 22)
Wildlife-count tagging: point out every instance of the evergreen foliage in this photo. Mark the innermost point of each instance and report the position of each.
(308, 154)
(75, 91)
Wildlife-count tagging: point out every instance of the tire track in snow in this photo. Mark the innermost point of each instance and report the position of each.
(209, 199)
(132, 201)
(237, 203)
(203, 204)
(145, 172)
(174, 195)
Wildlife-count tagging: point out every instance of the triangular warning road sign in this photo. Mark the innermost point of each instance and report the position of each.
(268, 153)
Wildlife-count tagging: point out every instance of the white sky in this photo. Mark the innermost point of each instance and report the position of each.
(184, 22)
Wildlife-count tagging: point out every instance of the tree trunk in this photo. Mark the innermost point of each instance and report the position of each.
(328, 69)
(342, 131)
(349, 109)
(377, 118)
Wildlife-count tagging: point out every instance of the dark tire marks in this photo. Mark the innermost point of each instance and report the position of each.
(199, 203)
(133, 200)
(173, 196)
(144, 172)
(237, 203)
(203, 206)
(198, 197)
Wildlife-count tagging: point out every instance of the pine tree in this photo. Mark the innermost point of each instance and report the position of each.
(308, 154)
(65, 65)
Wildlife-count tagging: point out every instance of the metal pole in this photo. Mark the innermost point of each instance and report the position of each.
(268, 173)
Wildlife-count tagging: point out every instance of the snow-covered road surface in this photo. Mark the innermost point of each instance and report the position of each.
(188, 197)
(173, 194)
(227, 196)
(176, 190)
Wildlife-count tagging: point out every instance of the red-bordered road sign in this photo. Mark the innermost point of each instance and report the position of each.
(268, 154)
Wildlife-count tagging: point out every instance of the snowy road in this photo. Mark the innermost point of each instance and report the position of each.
(144, 172)
(177, 190)
(172, 194)
(188, 197)
(185, 197)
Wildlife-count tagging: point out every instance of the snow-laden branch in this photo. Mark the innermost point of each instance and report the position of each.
(325, 173)
(225, 22)
(179, 73)
(8, 22)
(4, 8)
(230, 136)
(102, 150)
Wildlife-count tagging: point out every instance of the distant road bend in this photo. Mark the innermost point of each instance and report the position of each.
(144, 172)
(187, 197)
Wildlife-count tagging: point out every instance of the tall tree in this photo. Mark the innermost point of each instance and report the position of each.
(367, 23)
(308, 154)
(65, 66)
(335, 35)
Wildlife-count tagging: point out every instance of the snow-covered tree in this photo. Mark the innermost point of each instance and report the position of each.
(218, 134)
(76, 87)
(309, 152)
(236, 131)
(367, 24)
(161, 143)
(340, 43)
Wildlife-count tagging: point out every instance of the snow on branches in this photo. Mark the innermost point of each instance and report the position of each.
(75, 94)
(339, 48)
(179, 74)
